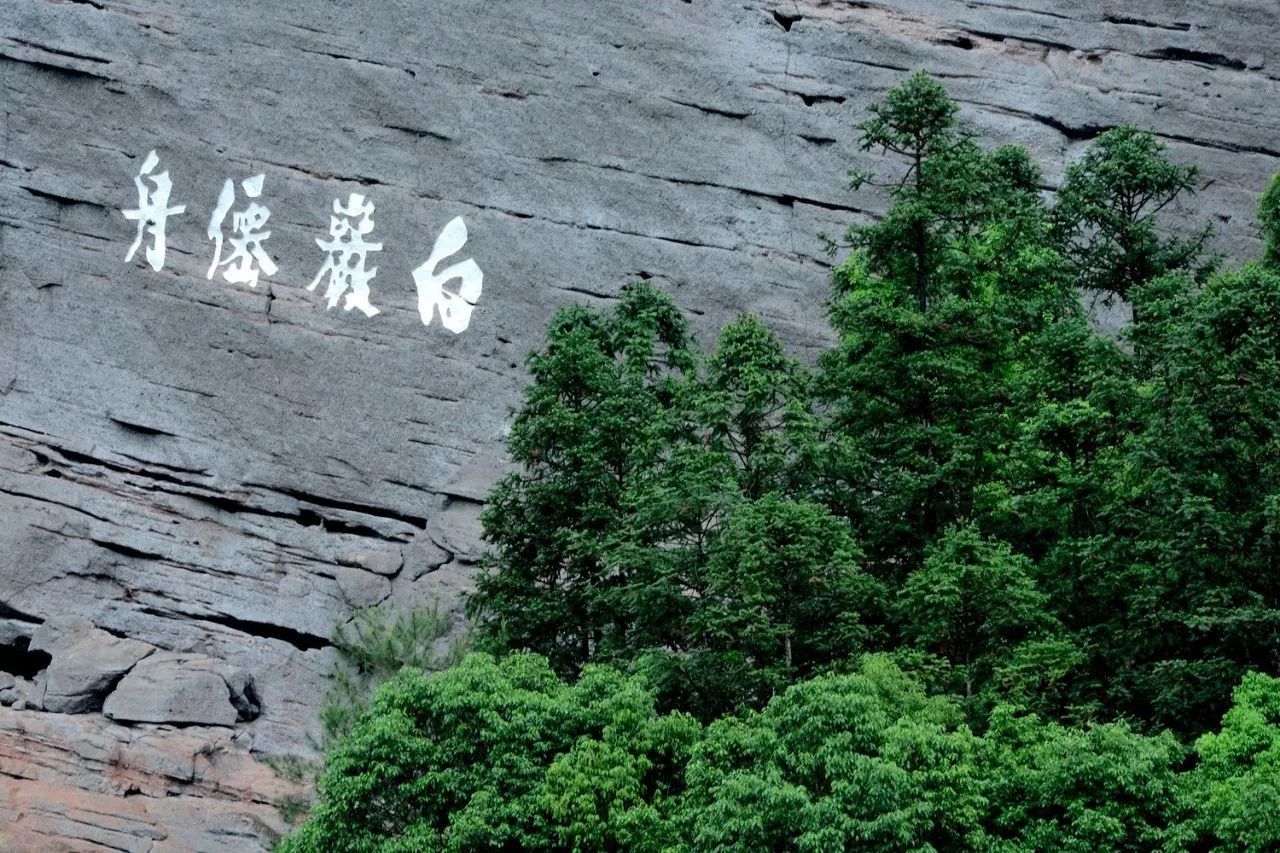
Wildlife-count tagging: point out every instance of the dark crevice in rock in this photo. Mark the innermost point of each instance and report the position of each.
(363, 180)
(792, 201)
(43, 499)
(810, 100)
(785, 21)
(509, 94)
(248, 704)
(348, 506)
(715, 111)
(125, 550)
(300, 640)
(64, 70)
(1026, 39)
(53, 51)
(85, 459)
(1200, 57)
(17, 658)
(345, 58)
(821, 141)
(1222, 145)
(64, 200)
(782, 199)
(304, 517)
(454, 498)
(8, 611)
(1080, 133)
(140, 429)
(421, 133)
(1177, 26)
(958, 40)
(200, 472)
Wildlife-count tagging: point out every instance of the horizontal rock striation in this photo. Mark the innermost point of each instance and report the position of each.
(217, 475)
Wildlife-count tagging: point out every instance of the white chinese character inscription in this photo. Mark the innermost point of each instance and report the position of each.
(455, 308)
(247, 257)
(153, 211)
(348, 252)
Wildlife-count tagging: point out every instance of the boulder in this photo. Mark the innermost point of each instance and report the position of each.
(13, 631)
(183, 689)
(85, 663)
(21, 694)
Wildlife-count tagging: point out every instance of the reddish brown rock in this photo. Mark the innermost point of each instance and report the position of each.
(83, 783)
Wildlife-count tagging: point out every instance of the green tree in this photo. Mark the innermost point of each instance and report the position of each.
(1269, 218)
(917, 391)
(503, 755)
(972, 602)
(1107, 217)
(1189, 537)
(745, 432)
(371, 648)
(602, 402)
(916, 120)
(920, 400)
(858, 761)
(1100, 787)
(784, 595)
(1234, 793)
(755, 405)
(930, 242)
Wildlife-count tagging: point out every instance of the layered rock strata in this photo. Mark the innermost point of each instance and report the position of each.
(215, 475)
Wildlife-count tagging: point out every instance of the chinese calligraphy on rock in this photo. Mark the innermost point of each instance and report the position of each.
(348, 251)
(153, 211)
(455, 308)
(247, 257)
(241, 258)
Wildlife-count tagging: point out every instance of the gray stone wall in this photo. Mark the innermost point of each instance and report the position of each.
(224, 472)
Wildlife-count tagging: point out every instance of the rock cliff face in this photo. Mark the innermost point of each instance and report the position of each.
(199, 479)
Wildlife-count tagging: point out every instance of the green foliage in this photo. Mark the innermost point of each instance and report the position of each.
(1269, 218)
(973, 581)
(1107, 214)
(1234, 794)
(502, 755)
(943, 209)
(1190, 533)
(862, 761)
(1101, 787)
(602, 405)
(293, 768)
(972, 602)
(376, 644)
(292, 808)
(653, 519)
(783, 594)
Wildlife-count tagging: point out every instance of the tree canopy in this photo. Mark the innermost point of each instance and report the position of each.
(978, 576)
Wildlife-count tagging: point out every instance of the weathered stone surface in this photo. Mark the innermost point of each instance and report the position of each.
(12, 631)
(230, 471)
(86, 663)
(20, 693)
(182, 689)
(83, 783)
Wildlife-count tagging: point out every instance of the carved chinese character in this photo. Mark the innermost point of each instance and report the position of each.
(153, 211)
(247, 257)
(348, 252)
(455, 308)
